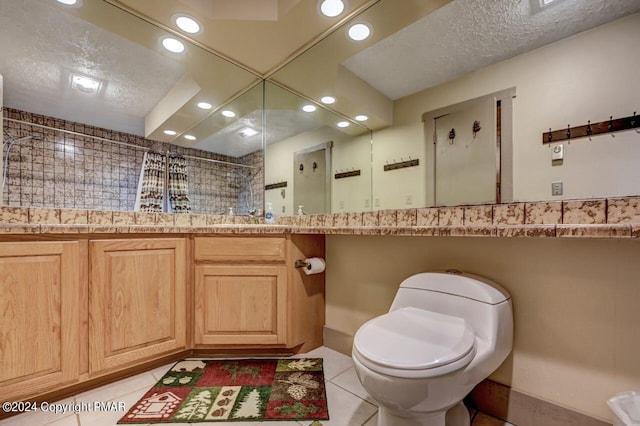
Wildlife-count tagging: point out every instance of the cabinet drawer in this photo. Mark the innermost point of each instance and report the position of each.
(245, 249)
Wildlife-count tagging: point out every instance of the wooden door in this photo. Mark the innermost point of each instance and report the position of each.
(39, 316)
(136, 300)
(240, 304)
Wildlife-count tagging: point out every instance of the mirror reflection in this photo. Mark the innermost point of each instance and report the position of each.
(315, 160)
(83, 107)
(115, 113)
(454, 52)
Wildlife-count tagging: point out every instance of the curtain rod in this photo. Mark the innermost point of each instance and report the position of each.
(41, 126)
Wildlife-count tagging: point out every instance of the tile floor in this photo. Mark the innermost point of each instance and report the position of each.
(349, 404)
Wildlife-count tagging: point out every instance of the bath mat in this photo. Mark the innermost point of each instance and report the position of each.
(200, 391)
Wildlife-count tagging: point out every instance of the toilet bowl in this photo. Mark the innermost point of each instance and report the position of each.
(444, 334)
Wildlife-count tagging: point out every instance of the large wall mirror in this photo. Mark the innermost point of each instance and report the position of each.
(93, 94)
(316, 161)
(437, 57)
(91, 91)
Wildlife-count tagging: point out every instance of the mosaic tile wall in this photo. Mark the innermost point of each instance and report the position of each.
(61, 170)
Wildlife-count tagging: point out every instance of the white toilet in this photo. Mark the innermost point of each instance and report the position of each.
(444, 334)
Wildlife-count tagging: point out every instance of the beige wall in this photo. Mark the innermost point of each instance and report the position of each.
(576, 304)
(586, 77)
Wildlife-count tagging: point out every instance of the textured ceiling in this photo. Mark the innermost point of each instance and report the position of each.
(466, 35)
(41, 44)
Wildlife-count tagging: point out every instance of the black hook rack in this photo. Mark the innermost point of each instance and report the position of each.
(275, 185)
(343, 175)
(401, 165)
(590, 129)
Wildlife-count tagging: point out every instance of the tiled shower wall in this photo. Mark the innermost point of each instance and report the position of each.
(61, 170)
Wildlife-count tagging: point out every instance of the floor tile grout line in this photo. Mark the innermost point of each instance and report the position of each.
(336, 375)
(356, 395)
(370, 417)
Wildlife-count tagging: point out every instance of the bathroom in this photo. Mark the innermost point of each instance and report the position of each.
(574, 299)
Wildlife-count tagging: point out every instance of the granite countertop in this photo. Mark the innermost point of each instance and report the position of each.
(592, 218)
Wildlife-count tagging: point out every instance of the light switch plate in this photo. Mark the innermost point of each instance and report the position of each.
(556, 188)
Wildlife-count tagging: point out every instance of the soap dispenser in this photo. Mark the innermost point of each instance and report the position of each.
(300, 211)
(269, 216)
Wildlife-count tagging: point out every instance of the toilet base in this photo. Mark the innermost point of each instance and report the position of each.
(458, 415)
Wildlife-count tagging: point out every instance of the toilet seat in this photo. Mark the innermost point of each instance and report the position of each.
(414, 343)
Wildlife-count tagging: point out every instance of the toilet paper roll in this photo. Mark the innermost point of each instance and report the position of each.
(315, 265)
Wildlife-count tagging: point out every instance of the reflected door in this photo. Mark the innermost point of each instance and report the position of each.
(311, 188)
(467, 162)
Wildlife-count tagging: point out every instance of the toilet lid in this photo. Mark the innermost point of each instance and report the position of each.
(414, 339)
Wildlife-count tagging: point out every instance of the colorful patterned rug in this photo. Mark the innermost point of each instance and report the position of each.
(194, 391)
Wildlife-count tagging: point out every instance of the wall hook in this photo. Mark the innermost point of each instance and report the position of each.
(452, 136)
(610, 126)
(568, 131)
(476, 127)
(549, 136)
(589, 129)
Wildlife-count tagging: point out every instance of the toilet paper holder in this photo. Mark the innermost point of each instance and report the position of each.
(301, 263)
(310, 266)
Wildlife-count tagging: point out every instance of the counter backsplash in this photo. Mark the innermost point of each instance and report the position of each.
(596, 218)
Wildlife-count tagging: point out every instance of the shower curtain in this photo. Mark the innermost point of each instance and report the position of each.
(178, 186)
(151, 186)
(151, 183)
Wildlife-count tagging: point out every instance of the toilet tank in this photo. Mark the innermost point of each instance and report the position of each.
(481, 302)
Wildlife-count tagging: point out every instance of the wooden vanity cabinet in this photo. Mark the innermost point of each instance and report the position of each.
(137, 300)
(240, 304)
(245, 293)
(75, 311)
(40, 328)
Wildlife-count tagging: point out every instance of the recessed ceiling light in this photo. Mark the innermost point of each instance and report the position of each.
(170, 132)
(331, 8)
(173, 45)
(359, 32)
(342, 124)
(229, 114)
(361, 117)
(309, 108)
(204, 105)
(327, 100)
(190, 137)
(85, 84)
(68, 2)
(187, 24)
(245, 132)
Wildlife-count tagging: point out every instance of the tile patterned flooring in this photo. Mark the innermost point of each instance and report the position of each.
(349, 404)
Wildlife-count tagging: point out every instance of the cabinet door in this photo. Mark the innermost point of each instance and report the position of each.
(39, 316)
(136, 300)
(240, 305)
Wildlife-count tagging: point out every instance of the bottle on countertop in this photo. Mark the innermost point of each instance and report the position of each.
(300, 211)
(269, 216)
